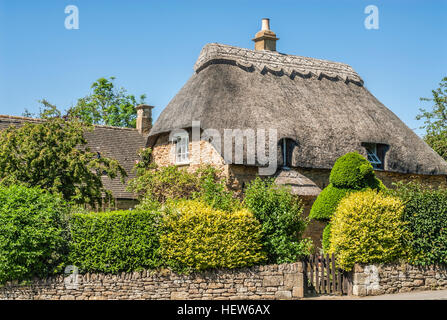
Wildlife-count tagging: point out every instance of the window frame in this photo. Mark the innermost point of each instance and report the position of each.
(286, 147)
(181, 148)
(372, 154)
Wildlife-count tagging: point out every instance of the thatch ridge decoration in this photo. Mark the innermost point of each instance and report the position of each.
(274, 62)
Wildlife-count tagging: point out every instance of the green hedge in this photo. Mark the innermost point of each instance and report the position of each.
(33, 237)
(367, 227)
(281, 216)
(115, 241)
(327, 202)
(426, 216)
(326, 242)
(199, 237)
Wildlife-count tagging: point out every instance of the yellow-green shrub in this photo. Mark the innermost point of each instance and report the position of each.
(367, 228)
(198, 237)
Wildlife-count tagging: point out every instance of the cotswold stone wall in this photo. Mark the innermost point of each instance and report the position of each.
(283, 281)
(373, 280)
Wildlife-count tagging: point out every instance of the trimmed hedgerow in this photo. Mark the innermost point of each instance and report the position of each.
(33, 237)
(353, 171)
(326, 238)
(367, 227)
(199, 237)
(426, 216)
(115, 241)
(327, 202)
(280, 215)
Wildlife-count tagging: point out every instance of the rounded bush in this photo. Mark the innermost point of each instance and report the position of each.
(353, 171)
(327, 202)
(326, 237)
(33, 237)
(199, 237)
(367, 227)
(115, 241)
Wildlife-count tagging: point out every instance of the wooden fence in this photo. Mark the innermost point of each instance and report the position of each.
(323, 277)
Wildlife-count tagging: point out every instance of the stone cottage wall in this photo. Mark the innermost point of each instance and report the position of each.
(283, 281)
(373, 280)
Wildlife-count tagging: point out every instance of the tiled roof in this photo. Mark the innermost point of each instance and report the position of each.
(117, 143)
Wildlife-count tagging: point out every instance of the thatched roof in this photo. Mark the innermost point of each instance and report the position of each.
(298, 183)
(117, 143)
(322, 105)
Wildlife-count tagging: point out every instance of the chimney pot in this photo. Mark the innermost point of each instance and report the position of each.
(265, 24)
(144, 118)
(266, 38)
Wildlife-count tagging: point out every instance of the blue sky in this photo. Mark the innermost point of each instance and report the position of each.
(151, 46)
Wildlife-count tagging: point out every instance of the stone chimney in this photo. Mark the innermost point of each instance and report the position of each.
(266, 38)
(144, 118)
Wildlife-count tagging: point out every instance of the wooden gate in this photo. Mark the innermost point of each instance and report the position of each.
(323, 277)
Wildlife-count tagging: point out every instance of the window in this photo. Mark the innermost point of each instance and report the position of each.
(286, 147)
(181, 149)
(376, 154)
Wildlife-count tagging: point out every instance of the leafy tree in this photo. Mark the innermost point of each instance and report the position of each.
(105, 105)
(435, 120)
(53, 155)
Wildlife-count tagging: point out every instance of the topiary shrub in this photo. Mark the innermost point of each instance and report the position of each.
(33, 237)
(326, 203)
(280, 214)
(115, 241)
(426, 216)
(326, 237)
(353, 171)
(199, 237)
(367, 227)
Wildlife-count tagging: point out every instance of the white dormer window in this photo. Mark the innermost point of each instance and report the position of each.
(181, 149)
(373, 158)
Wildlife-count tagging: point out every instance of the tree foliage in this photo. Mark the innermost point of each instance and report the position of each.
(105, 105)
(435, 120)
(33, 233)
(53, 155)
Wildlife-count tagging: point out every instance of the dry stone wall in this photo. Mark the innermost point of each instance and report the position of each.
(283, 281)
(373, 280)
